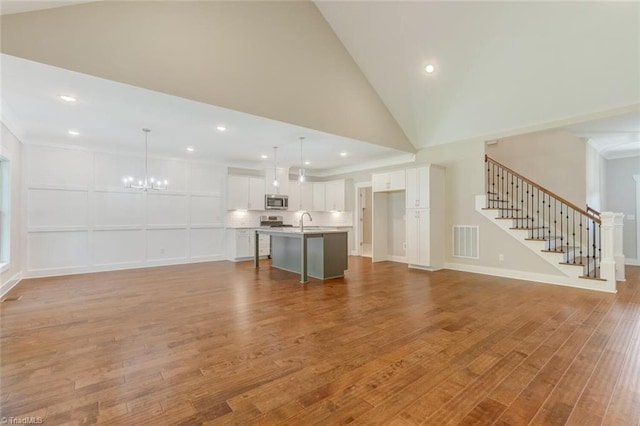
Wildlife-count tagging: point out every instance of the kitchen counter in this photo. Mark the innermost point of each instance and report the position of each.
(317, 252)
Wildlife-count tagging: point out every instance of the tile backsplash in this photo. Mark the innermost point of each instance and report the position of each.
(249, 219)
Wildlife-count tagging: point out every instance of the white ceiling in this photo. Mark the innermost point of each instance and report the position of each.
(500, 66)
(486, 83)
(613, 137)
(110, 116)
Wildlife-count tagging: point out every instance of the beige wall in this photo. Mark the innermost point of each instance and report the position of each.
(11, 149)
(554, 159)
(464, 162)
(275, 59)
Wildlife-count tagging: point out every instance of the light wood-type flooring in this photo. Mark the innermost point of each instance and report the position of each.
(221, 343)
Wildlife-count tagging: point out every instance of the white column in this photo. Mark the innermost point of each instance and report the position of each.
(607, 262)
(618, 255)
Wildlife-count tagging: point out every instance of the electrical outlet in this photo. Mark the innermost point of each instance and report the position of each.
(404, 246)
(162, 250)
(501, 257)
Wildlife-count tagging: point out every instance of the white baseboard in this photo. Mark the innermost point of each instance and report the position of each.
(632, 262)
(424, 268)
(530, 276)
(40, 273)
(11, 283)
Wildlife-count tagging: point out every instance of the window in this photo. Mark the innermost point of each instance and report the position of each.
(5, 216)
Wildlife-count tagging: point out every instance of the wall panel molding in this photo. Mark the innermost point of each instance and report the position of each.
(79, 227)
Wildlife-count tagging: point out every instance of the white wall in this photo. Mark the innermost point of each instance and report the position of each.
(11, 149)
(621, 197)
(80, 219)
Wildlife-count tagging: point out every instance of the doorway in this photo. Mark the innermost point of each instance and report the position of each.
(364, 209)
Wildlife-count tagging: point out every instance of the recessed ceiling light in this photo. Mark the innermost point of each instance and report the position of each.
(306, 163)
(343, 154)
(221, 128)
(67, 98)
(264, 157)
(73, 132)
(190, 149)
(429, 68)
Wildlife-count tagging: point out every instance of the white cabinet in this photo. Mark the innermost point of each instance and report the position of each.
(418, 245)
(245, 193)
(418, 188)
(334, 195)
(300, 196)
(390, 181)
(294, 196)
(241, 244)
(318, 200)
(282, 176)
(425, 217)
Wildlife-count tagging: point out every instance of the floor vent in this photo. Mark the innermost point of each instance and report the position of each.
(466, 242)
(11, 299)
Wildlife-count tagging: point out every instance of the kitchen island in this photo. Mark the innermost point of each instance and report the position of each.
(317, 253)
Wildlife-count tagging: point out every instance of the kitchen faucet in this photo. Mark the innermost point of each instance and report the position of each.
(302, 220)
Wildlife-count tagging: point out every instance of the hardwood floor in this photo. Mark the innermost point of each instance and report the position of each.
(221, 343)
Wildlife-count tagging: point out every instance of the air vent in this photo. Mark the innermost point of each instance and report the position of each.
(11, 299)
(466, 242)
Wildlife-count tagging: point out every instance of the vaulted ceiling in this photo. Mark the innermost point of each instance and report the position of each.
(356, 69)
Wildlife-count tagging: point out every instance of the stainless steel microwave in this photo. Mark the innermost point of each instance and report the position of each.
(276, 202)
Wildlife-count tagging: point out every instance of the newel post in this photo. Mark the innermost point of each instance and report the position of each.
(608, 262)
(618, 254)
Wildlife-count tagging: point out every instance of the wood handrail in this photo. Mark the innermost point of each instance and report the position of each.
(592, 210)
(543, 189)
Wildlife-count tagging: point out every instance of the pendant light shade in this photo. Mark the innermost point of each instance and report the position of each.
(275, 166)
(301, 170)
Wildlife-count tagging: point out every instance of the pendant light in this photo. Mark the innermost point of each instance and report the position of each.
(301, 170)
(147, 182)
(275, 165)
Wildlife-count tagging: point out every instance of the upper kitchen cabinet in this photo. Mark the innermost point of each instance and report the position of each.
(334, 195)
(245, 192)
(300, 196)
(319, 189)
(390, 181)
(282, 177)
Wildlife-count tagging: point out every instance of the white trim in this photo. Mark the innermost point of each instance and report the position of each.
(529, 276)
(11, 283)
(54, 272)
(632, 262)
(637, 179)
(385, 162)
(356, 211)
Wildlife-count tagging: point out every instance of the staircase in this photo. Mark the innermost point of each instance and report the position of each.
(566, 236)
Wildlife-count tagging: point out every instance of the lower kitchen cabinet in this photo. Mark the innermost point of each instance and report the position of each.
(240, 244)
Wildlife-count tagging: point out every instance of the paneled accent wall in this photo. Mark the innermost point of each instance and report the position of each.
(81, 219)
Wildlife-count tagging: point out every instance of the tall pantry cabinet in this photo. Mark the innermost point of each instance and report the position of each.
(425, 217)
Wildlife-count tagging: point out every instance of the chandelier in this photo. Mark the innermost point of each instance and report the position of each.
(148, 182)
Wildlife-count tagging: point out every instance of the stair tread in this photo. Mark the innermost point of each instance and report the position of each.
(595, 277)
(528, 228)
(564, 250)
(512, 218)
(498, 201)
(540, 239)
(500, 208)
